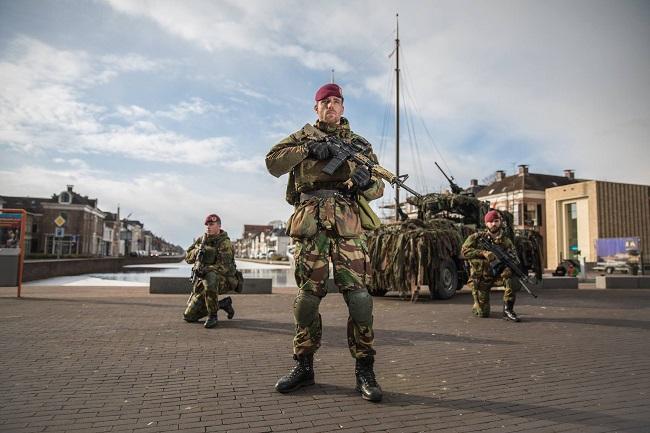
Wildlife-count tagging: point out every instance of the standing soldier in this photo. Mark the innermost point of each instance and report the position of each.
(481, 277)
(326, 225)
(214, 273)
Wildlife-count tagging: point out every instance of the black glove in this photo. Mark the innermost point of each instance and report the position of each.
(360, 177)
(319, 149)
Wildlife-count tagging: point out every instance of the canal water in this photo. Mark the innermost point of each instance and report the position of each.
(138, 275)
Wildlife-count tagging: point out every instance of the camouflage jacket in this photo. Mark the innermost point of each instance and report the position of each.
(219, 254)
(478, 258)
(340, 213)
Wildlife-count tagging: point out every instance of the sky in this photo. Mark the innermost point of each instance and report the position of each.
(168, 108)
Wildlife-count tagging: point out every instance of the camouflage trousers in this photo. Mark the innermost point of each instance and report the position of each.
(204, 298)
(481, 287)
(350, 263)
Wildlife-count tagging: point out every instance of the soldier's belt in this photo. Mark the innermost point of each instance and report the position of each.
(323, 193)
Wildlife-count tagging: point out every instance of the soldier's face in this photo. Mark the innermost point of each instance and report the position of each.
(329, 110)
(494, 225)
(212, 228)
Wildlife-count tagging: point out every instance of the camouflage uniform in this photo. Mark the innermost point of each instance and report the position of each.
(216, 276)
(481, 280)
(326, 226)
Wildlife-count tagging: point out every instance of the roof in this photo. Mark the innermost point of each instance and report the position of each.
(281, 231)
(255, 229)
(473, 190)
(76, 199)
(528, 181)
(29, 204)
(110, 216)
(132, 222)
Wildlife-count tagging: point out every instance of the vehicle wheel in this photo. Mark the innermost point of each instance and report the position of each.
(446, 280)
(609, 270)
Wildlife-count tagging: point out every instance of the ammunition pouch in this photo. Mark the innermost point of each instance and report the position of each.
(369, 219)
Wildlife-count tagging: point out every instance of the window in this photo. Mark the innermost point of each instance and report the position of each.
(571, 210)
(533, 214)
(65, 197)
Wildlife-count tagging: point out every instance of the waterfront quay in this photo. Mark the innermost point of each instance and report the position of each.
(117, 359)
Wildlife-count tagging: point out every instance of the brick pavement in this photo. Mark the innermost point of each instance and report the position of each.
(120, 360)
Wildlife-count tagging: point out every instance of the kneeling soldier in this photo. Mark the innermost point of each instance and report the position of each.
(481, 279)
(213, 274)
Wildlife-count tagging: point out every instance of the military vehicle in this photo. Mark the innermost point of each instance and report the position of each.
(425, 251)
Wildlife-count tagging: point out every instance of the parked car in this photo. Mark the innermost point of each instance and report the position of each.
(611, 267)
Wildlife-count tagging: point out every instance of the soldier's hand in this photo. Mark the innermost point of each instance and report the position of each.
(489, 256)
(507, 273)
(319, 150)
(361, 177)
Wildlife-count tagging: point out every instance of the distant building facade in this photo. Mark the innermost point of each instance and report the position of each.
(69, 224)
(264, 241)
(580, 213)
(253, 237)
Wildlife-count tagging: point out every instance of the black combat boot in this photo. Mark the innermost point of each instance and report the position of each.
(302, 374)
(366, 383)
(226, 305)
(211, 322)
(509, 311)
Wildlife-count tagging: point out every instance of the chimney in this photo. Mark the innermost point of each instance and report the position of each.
(523, 170)
(70, 187)
(500, 175)
(569, 174)
(473, 182)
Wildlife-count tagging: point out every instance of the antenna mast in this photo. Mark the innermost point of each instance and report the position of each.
(397, 116)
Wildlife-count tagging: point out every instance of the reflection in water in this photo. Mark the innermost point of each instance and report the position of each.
(282, 276)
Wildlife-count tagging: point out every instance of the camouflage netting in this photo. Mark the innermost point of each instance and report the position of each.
(461, 208)
(409, 253)
(529, 249)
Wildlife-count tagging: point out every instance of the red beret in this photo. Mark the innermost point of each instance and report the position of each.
(212, 218)
(491, 216)
(329, 90)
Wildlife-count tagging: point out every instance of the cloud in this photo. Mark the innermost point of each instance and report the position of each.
(254, 27)
(43, 109)
(254, 164)
(195, 106)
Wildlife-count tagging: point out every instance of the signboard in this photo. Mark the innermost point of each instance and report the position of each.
(59, 221)
(622, 254)
(617, 249)
(59, 232)
(12, 247)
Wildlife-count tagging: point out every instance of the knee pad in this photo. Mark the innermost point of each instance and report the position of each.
(360, 306)
(305, 308)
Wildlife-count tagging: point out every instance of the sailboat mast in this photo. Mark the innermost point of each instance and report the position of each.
(397, 117)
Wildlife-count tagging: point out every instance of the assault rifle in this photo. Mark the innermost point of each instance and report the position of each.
(505, 260)
(197, 263)
(454, 187)
(355, 151)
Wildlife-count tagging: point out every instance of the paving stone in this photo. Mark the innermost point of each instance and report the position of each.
(122, 360)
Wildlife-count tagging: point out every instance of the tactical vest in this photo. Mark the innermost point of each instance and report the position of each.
(308, 175)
